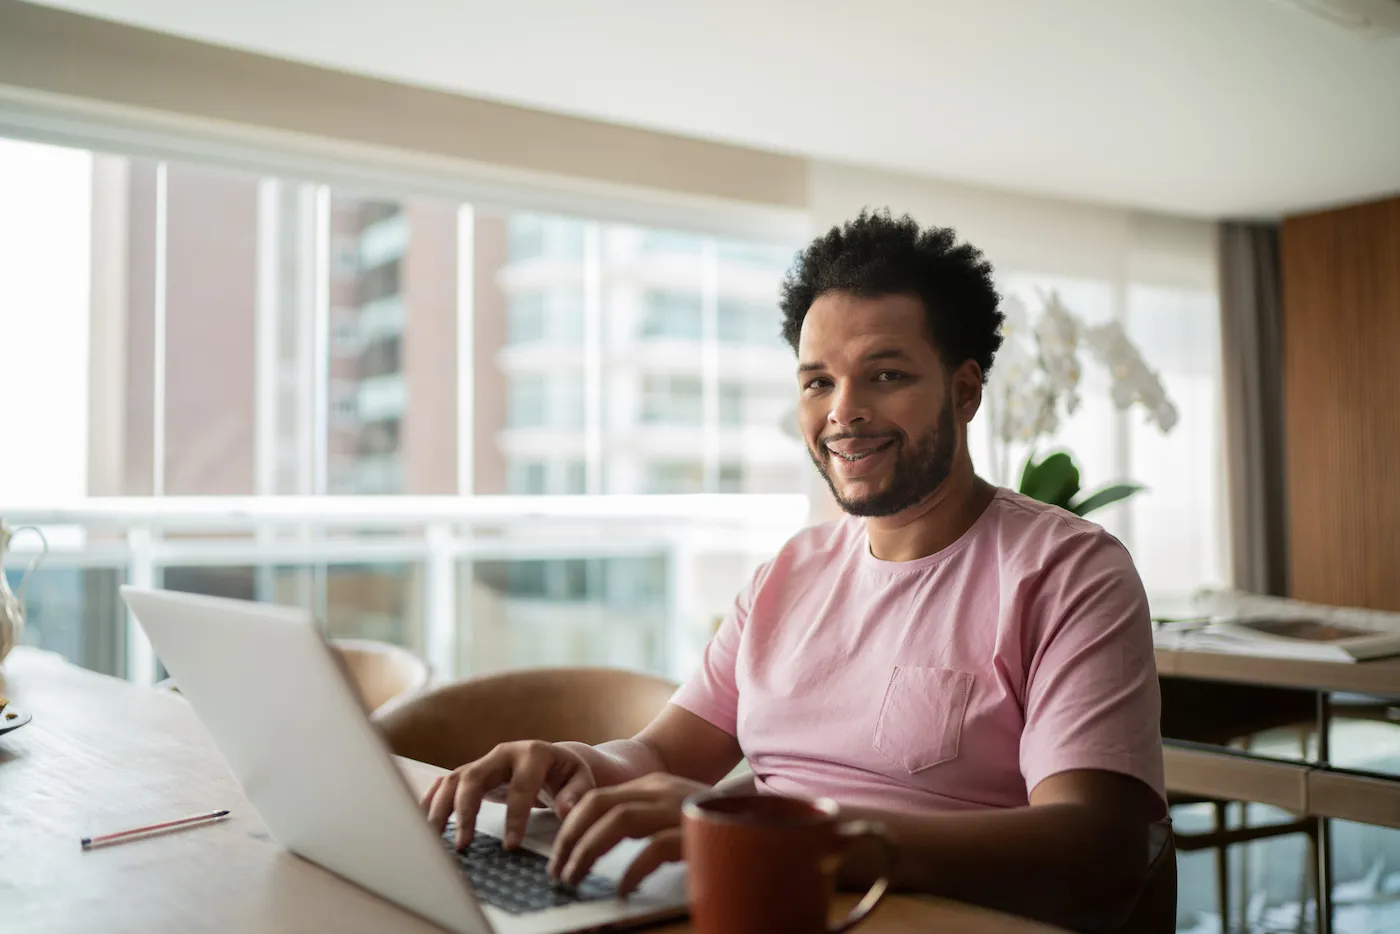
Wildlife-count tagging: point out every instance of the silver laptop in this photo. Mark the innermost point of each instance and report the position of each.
(290, 726)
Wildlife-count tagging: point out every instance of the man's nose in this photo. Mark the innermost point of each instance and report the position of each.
(849, 407)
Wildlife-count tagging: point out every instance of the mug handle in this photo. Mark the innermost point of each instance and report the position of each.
(849, 833)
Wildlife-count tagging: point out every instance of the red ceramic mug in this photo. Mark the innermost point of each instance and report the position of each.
(762, 864)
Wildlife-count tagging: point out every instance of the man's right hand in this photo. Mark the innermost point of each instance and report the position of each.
(522, 772)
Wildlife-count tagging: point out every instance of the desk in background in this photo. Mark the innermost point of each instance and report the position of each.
(1266, 730)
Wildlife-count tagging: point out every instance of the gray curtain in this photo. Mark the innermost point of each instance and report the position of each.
(1251, 321)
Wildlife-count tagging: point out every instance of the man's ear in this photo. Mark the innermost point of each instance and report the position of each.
(967, 390)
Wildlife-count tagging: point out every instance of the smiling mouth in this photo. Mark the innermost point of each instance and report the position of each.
(861, 455)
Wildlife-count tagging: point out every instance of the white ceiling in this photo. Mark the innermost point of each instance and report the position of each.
(1204, 107)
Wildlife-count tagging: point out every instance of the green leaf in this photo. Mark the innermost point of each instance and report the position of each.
(1054, 480)
(1105, 497)
(1026, 472)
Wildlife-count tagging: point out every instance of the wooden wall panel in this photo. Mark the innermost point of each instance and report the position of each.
(1341, 313)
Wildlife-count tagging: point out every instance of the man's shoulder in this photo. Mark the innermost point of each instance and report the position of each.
(1044, 534)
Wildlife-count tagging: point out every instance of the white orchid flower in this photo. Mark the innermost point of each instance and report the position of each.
(1037, 381)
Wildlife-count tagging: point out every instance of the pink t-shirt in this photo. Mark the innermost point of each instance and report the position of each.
(952, 682)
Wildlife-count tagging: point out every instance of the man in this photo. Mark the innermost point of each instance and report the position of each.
(968, 666)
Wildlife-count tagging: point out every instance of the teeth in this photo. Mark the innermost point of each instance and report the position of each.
(861, 455)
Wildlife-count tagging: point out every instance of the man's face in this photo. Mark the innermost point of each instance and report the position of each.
(875, 407)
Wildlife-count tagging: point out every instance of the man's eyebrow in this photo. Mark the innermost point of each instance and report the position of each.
(887, 354)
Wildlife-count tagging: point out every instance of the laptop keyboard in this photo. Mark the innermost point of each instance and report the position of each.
(517, 881)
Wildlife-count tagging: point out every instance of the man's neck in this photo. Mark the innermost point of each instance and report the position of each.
(934, 524)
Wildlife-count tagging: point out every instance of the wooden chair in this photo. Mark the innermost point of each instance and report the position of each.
(1155, 910)
(380, 672)
(461, 722)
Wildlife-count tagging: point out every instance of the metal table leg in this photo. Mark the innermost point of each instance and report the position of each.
(1324, 876)
(1324, 827)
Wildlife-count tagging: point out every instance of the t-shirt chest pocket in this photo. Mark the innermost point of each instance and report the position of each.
(920, 721)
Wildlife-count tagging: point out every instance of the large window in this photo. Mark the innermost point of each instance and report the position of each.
(175, 329)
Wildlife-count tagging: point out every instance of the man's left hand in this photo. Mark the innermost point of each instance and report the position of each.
(649, 806)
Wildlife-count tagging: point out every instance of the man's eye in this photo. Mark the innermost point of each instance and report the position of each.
(889, 375)
(821, 382)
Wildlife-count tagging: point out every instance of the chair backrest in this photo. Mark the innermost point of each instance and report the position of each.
(381, 672)
(459, 723)
(1155, 911)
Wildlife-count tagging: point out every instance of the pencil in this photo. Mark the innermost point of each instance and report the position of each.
(122, 836)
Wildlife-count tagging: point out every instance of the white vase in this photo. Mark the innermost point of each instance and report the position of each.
(12, 604)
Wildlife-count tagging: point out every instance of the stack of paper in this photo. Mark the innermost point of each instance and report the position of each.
(1278, 637)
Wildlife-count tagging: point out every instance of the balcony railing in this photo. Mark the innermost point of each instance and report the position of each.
(472, 582)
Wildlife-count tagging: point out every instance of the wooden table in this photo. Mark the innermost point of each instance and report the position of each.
(1377, 676)
(102, 754)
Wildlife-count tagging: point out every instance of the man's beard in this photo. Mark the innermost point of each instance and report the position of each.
(918, 472)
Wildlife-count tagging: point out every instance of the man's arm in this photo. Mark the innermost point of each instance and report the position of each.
(677, 742)
(1077, 856)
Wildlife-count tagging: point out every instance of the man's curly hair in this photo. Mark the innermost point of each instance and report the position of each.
(876, 255)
